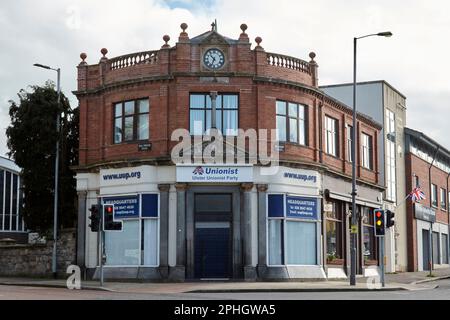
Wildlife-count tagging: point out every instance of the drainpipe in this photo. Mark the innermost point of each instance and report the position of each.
(431, 223)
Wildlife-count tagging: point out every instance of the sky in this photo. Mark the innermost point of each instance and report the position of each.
(415, 60)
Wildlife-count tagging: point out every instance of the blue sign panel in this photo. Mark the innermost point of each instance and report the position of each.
(275, 207)
(124, 207)
(150, 205)
(301, 207)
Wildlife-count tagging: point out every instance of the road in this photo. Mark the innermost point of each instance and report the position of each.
(43, 293)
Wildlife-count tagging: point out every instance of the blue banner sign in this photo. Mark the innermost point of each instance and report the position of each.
(301, 207)
(124, 207)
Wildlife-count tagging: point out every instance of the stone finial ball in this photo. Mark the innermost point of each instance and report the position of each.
(258, 40)
(312, 55)
(243, 27)
(104, 51)
(83, 56)
(166, 38)
(183, 26)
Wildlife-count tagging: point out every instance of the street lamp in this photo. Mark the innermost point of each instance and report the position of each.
(354, 216)
(55, 197)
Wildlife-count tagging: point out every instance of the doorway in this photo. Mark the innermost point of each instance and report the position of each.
(212, 236)
(426, 249)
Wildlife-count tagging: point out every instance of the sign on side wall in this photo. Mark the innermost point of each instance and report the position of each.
(301, 207)
(125, 207)
(424, 213)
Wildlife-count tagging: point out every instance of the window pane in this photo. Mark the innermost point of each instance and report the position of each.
(128, 128)
(123, 248)
(209, 203)
(230, 101)
(281, 107)
(208, 101)
(143, 106)
(197, 101)
(118, 130)
(274, 242)
(334, 240)
(129, 107)
(150, 242)
(197, 122)
(7, 199)
(444, 238)
(293, 130)
(230, 122)
(14, 203)
(300, 243)
(118, 110)
(302, 132)
(219, 101)
(436, 246)
(301, 110)
(369, 243)
(143, 127)
(293, 110)
(281, 128)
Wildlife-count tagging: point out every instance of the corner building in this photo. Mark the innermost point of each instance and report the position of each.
(221, 220)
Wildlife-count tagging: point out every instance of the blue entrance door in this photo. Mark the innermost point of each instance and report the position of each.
(212, 250)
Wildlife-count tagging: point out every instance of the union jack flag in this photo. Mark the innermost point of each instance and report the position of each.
(417, 194)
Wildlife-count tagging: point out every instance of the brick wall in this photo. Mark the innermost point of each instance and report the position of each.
(248, 73)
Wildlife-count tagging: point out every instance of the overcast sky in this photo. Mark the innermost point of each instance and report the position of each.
(415, 60)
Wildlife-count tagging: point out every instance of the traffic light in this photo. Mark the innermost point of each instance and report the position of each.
(108, 219)
(379, 222)
(390, 218)
(95, 218)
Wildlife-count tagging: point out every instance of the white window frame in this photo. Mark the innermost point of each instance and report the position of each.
(434, 196)
(331, 136)
(366, 150)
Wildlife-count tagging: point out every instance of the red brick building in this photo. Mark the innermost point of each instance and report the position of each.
(428, 167)
(131, 105)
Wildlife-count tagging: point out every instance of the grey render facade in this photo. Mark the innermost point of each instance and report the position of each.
(385, 104)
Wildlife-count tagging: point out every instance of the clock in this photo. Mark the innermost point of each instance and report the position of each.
(214, 59)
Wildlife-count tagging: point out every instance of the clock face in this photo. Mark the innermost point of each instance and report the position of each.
(214, 59)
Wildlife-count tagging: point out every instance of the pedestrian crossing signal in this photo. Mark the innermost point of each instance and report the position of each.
(108, 219)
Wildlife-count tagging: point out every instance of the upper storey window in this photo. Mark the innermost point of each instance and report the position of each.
(367, 151)
(291, 123)
(331, 136)
(131, 121)
(201, 116)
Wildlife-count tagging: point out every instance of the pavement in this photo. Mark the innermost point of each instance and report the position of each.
(411, 281)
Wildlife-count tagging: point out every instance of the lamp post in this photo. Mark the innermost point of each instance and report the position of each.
(55, 196)
(353, 146)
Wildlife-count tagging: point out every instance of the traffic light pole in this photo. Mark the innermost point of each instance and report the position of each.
(382, 260)
(102, 246)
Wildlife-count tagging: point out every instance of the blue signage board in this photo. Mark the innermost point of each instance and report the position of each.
(301, 207)
(124, 206)
(150, 205)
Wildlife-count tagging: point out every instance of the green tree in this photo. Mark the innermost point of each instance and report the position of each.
(31, 141)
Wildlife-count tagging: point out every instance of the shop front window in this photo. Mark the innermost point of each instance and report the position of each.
(369, 239)
(334, 233)
(291, 241)
(137, 243)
